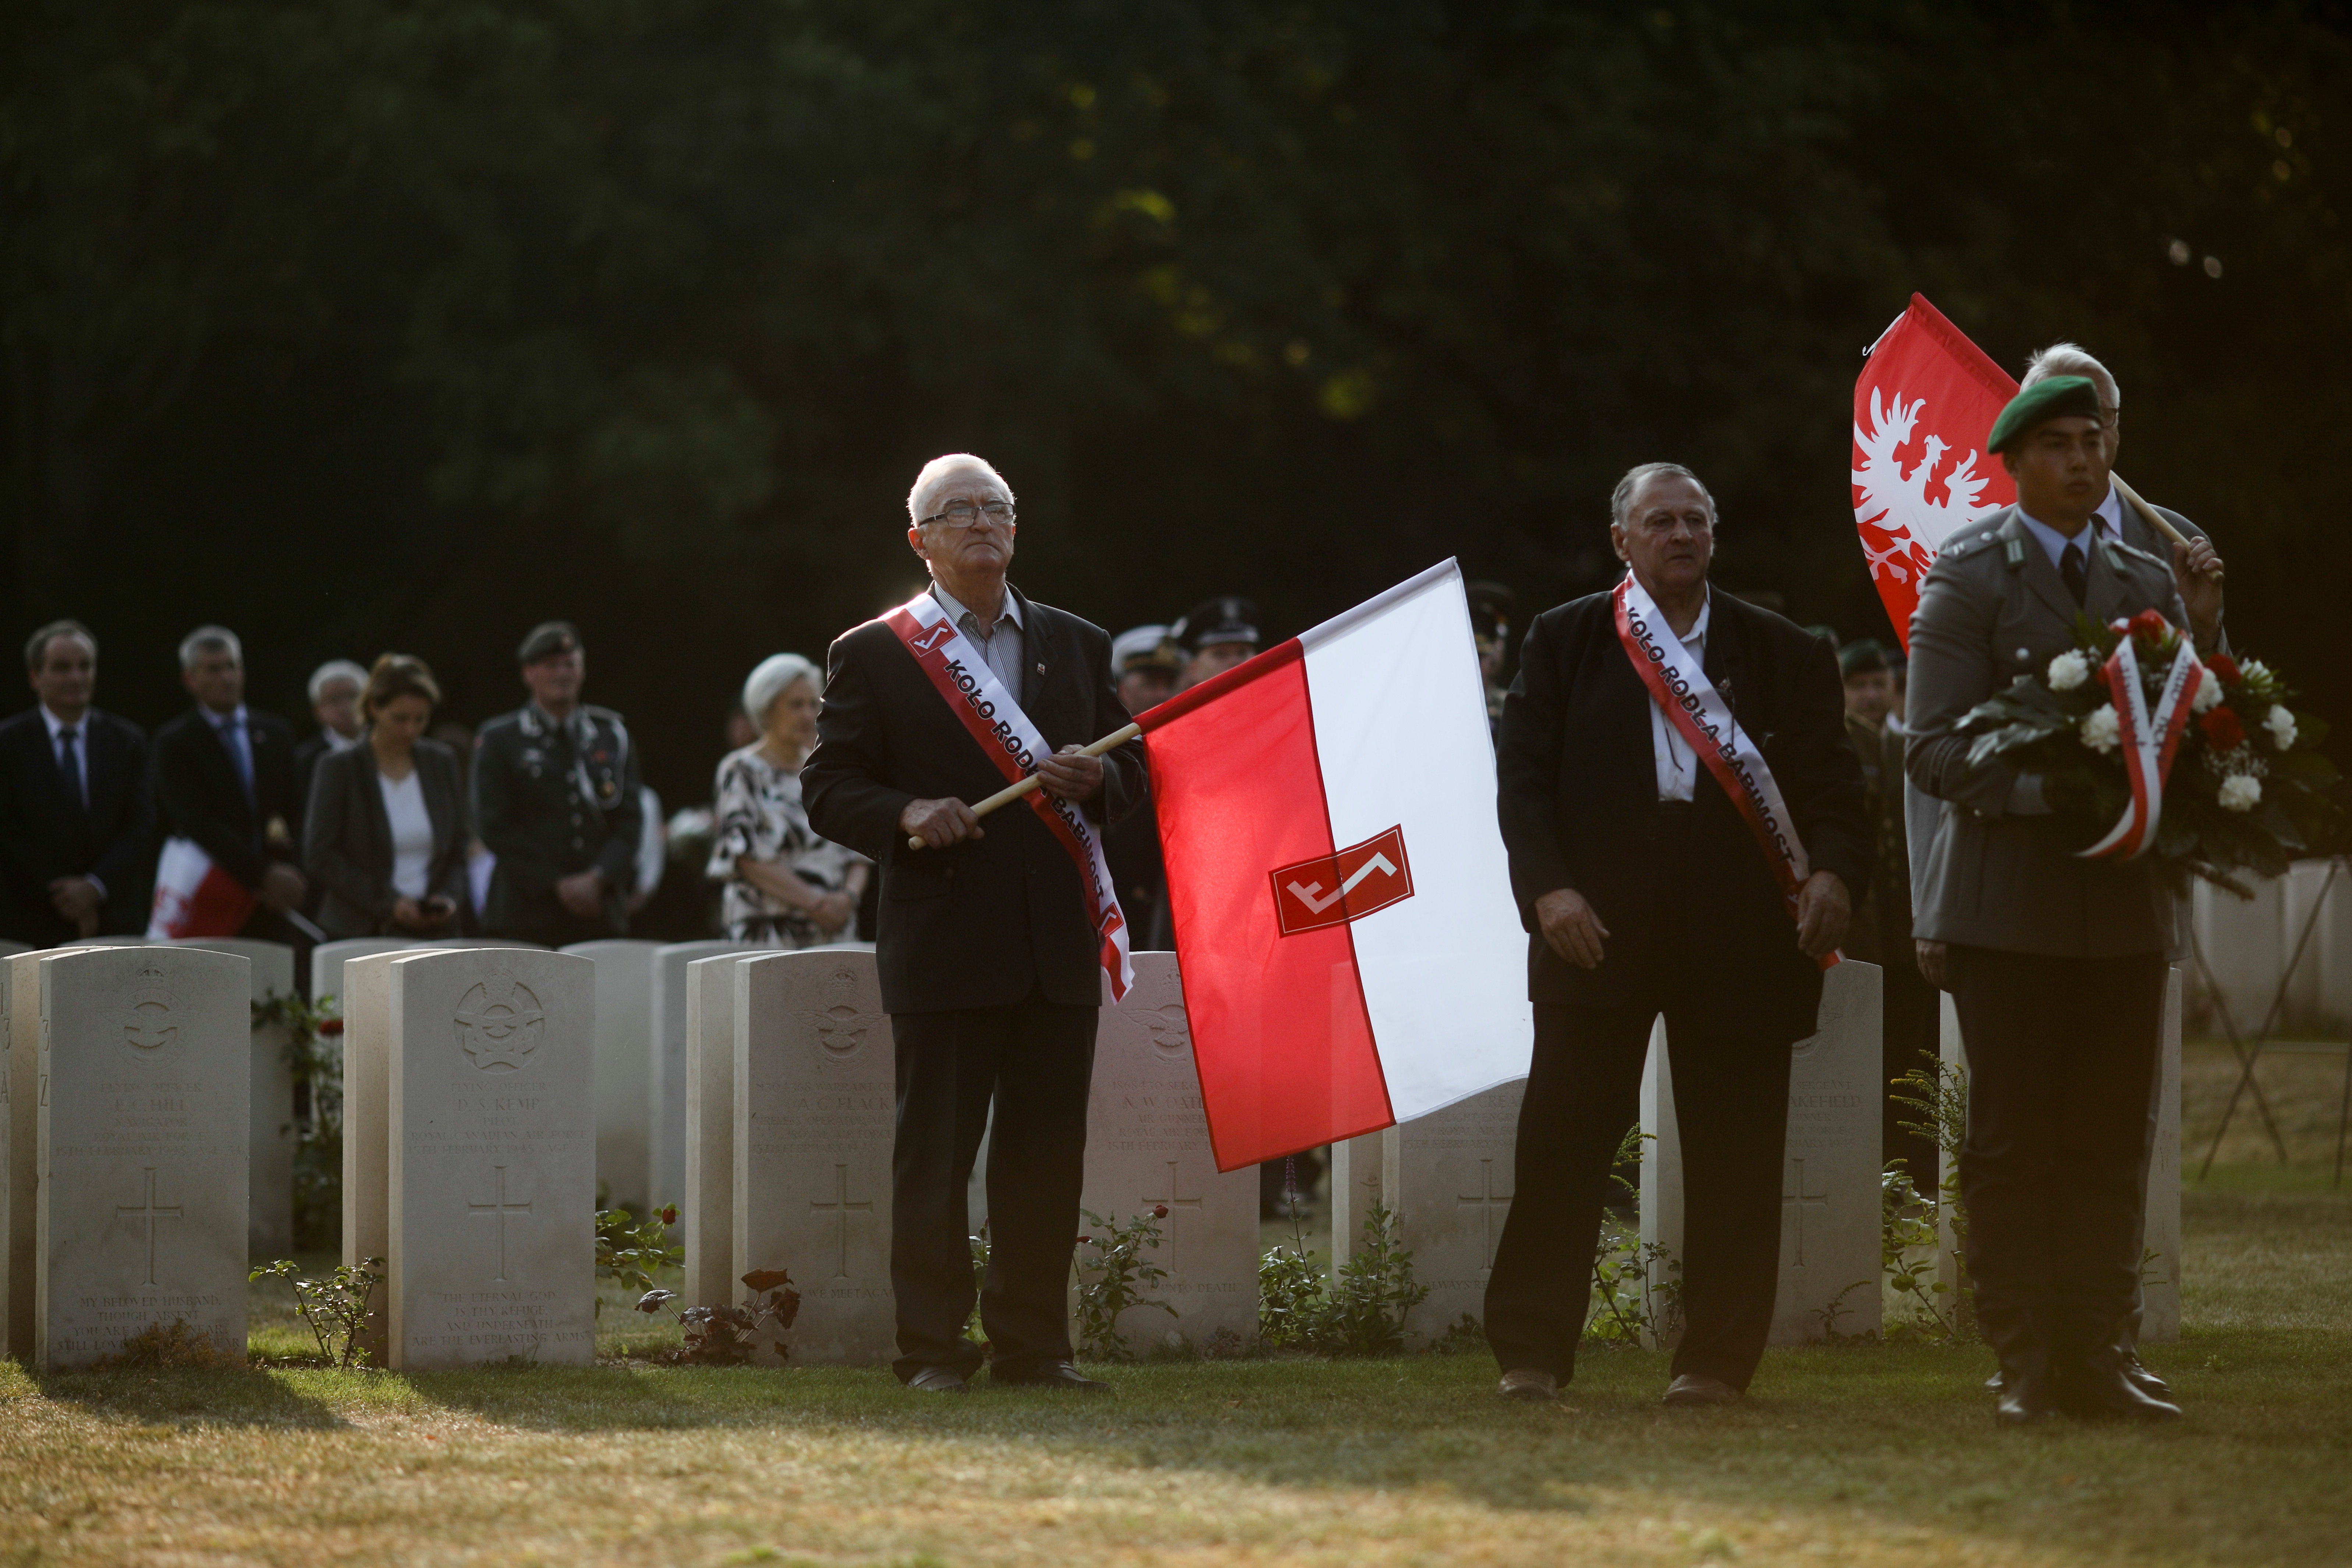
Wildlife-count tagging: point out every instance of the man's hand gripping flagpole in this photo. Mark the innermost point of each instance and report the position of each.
(1013, 792)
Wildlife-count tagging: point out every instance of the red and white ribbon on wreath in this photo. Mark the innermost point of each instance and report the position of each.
(2150, 740)
(994, 718)
(1680, 688)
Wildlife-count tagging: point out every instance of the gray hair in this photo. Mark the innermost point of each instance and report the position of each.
(209, 639)
(2072, 359)
(336, 669)
(1620, 500)
(939, 470)
(36, 647)
(774, 677)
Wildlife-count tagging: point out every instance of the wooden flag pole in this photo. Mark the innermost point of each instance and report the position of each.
(1012, 792)
(2156, 519)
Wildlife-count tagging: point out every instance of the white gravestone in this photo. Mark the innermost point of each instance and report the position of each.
(2243, 942)
(816, 1106)
(20, 1141)
(2159, 1274)
(666, 1090)
(270, 1231)
(1357, 1184)
(1148, 1144)
(366, 995)
(144, 1079)
(327, 961)
(625, 1050)
(709, 1218)
(1830, 1166)
(1449, 1177)
(2318, 916)
(490, 1090)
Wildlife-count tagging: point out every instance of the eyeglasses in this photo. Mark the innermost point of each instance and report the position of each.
(963, 514)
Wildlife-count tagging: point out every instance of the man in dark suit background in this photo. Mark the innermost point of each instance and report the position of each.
(1645, 891)
(77, 823)
(225, 779)
(988, 959)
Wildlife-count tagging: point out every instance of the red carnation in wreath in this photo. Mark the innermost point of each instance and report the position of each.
(2222, 730)
(2222, 665)
(2149, 625)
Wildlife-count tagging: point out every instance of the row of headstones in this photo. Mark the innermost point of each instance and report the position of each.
(470, 1120)
(2296, 928)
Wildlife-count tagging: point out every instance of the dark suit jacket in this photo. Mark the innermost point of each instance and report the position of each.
(347, 837)
(986, 922)
(198, 796)
(45, 834)
(1579, 790)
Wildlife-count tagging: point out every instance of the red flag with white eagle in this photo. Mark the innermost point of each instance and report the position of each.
(1350, 950)
(1925, 400)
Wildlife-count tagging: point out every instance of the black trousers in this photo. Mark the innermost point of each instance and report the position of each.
(1585, 1088)
(1035, 1060)
(2062, 1078)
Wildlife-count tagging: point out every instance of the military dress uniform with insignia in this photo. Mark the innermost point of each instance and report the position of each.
(2057, 964)
(553, 797)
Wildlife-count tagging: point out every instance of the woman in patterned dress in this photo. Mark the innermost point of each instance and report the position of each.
(786, 887)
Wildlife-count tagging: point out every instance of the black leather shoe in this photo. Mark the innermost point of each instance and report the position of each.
(2146, 1382)
(1055, 1374)
(2110, 1394)
(2026, 1398)
(938, 1379)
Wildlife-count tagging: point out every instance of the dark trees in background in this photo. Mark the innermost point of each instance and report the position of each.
(407, 324)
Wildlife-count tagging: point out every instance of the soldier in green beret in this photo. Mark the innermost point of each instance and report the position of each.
(2056, 964)
(556, 799)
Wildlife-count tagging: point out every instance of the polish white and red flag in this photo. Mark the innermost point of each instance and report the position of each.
(194, 897)
(1350, 951)
(1925, 400)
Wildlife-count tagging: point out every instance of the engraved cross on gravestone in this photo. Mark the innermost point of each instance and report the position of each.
(1486, 1200)
(150, 1212)
(1795, 1202)
(842, 1208)
(1168, 1257)
(497, 1208)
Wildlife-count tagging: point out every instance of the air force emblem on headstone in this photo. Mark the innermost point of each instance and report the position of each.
(149, 1029)
(499, 1023)
(1333, 889)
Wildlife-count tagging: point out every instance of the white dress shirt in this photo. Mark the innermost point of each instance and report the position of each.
(2054, 543)
(1677, 764)
(412, 834)
(1002, 647)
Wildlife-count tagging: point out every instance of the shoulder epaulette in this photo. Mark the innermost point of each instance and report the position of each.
(2118, 551)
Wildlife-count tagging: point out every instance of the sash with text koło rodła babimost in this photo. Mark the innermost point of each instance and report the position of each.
(994, 719)
(1680, 688)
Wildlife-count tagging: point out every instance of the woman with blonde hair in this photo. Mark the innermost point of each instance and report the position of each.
(786, 887)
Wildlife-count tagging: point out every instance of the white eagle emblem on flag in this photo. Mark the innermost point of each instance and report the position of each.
(1896, 503)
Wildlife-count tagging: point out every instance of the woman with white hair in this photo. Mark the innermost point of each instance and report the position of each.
(785, 886)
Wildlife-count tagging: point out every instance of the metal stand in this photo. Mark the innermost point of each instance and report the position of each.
(2250, 1051)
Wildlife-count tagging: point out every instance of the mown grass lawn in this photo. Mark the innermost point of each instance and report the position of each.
(1871, 1455)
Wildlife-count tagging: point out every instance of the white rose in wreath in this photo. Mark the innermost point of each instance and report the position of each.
(2208, 694)
(2069, 671)
(2101, 730)
(2241, 793)
(2280, 724)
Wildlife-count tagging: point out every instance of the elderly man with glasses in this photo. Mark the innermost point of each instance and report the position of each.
(992, 941)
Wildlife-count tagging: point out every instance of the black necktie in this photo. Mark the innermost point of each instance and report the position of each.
(2070, 566)
(69, 764)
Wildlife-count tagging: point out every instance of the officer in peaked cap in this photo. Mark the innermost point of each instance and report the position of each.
(1219, 633)
(1146, 662)
(556, 799)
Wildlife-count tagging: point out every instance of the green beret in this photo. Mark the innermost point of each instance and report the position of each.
(2060, 397)
(1861, 657)
(546, 641)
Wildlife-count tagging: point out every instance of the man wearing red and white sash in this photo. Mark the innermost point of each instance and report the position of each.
(2055, 960)
(1685, 823)
(994, 942)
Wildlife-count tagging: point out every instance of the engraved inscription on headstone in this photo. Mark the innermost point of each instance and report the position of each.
(20, 1137)
(141, 1197)
(815, 1104)
(490, 1091)
(1148, 1144)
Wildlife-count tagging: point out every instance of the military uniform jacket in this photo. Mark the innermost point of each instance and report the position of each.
(1994, 608)
(555, 799)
